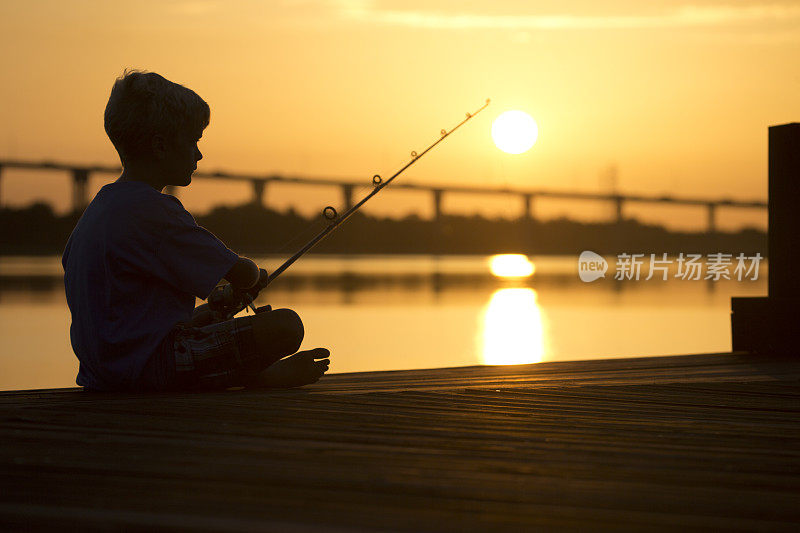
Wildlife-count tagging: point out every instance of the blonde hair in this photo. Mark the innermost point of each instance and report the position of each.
(143, 104)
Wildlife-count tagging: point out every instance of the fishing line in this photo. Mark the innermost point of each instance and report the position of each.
(321, 219)
(310, 227)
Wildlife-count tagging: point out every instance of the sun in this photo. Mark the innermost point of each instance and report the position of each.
(514, 132)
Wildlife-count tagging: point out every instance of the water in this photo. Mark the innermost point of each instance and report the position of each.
(390, 313)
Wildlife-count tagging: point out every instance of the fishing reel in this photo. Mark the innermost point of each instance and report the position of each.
(225, 300)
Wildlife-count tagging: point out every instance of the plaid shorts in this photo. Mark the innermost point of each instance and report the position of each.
(215, 356)
(223, 354)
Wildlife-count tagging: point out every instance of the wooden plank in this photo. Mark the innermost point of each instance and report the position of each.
(707, 441)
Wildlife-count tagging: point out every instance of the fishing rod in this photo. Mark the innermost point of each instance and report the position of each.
(336, 220)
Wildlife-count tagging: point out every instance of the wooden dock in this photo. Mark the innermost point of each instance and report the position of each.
(663, 443)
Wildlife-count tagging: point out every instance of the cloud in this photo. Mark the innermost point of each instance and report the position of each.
(682, 16)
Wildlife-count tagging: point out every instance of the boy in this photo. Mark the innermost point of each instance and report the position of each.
(137, 259)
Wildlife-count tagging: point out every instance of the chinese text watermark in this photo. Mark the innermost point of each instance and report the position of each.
(714, 267)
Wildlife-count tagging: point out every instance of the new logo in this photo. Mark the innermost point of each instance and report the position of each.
(591, 266)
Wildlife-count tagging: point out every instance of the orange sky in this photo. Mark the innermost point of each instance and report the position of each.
(678, 96)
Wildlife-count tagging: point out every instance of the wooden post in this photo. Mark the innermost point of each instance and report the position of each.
(783, 208)
(1, 185)
(768, 324)
(80, 179)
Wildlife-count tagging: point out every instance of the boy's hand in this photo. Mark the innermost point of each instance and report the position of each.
(227, 300)
(244, 273)
(203, 316)
(263, 280)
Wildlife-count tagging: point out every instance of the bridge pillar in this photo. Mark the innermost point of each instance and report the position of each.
(347, 194)
(259, 186)
(619, 214)
(437, 203)
(711, 225)
(80, 180)
(529, 207)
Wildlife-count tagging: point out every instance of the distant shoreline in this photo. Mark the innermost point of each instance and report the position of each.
(36, 230)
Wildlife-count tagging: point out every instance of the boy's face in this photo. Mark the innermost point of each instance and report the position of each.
(180, 159)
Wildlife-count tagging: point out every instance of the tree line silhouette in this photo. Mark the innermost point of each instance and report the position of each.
(253, 229)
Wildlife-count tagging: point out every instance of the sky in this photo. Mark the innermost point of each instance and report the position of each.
(675, 95)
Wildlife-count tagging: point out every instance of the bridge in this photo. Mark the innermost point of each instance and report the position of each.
(80, 178)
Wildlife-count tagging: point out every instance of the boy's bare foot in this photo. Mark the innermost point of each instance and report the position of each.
(302, 368)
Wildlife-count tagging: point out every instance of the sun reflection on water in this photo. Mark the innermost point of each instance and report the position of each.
(513, 329)
(511, 266)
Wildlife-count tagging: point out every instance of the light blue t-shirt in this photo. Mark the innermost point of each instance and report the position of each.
(133, 266)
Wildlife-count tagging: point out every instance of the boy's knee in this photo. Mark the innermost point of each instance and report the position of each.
(291, 324)
(279, 329)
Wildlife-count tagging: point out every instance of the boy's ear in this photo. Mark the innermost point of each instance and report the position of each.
(158, 145)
